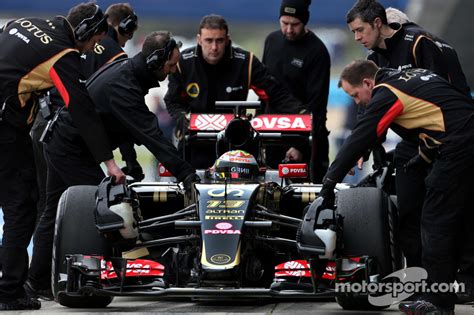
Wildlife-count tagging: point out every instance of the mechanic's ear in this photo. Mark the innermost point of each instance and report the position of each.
(198, 39)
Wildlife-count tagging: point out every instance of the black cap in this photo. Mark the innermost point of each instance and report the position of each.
(296, 8)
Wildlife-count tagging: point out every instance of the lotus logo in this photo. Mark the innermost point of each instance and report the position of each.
(223, 225)
(220, 259)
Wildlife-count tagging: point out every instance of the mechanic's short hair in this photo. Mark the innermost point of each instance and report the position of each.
(155, 40)
(358, 70)
(80, 12)
(367, 11)
(214, 22)
(118, 12)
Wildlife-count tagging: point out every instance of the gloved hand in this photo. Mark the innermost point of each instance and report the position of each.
(188, 182)
(134, 170)
(182, 126)
(327, 193)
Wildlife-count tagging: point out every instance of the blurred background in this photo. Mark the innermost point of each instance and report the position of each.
(251, 20)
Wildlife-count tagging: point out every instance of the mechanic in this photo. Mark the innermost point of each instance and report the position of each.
(407, 46)
(35, 55)
(444, 121)
(214, 70)
(119, 91)
(122, 24)
(300, 61)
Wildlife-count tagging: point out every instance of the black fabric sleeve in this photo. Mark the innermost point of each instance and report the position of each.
(67, 78)
(365, 135)
(129, 108)
(127, 149)
(175, 98)
(429, 56)
(281, 101)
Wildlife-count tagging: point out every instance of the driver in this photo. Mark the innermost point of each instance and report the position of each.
(214, 70)
(418, 104)
(235, 165)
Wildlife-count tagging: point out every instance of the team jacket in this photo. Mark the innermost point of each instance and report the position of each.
(197, 85)
(302, 66)
(104, 53)
(412, 47)
(36, 55)
(119, 91)
(410, 102)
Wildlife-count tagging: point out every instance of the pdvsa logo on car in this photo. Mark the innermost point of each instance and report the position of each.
(293, 170)
(223, 225)
(282, 123)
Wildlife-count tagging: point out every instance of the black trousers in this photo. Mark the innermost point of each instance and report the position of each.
(446, 209)
(18, 196)
(40, 162)
(64, 170)
(411, 191)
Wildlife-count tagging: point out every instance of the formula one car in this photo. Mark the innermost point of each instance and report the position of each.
(245, 231)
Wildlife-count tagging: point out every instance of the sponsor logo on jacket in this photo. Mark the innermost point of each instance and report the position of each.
(35, 30)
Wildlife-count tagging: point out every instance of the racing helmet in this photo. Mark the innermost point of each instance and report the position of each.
(235, 164)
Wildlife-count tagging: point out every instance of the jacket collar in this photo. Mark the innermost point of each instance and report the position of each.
(393, 41)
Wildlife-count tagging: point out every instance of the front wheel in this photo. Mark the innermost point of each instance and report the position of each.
(75, 233)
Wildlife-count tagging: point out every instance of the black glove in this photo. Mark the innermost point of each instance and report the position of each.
(134, 169)
(182, 126)
(188, 182)
(327, 193)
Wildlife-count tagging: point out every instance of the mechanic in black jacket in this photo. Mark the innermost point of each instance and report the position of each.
(122, 24)
(118, 91)
(417, 104)
(300, 61)
(408, 46)
(35, 55)
(214, 70)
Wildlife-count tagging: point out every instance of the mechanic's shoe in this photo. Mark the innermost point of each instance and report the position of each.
(422, 307)
(43, 294)
(24, 303)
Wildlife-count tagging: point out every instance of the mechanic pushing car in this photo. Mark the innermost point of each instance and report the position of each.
(122, 24)
(417, 104)
(36, 55)
(407, 46)
(119, 91)
(214, 70)
(301, 63)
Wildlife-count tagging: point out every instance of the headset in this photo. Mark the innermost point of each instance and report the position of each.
(156, 60)
(128, 25)
(91, 26)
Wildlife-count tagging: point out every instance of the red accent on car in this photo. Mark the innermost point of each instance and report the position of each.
(163, 172)
(293, 170)
(135, 268)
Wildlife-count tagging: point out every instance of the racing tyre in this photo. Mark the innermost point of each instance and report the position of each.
(75, 233)
(369, 224)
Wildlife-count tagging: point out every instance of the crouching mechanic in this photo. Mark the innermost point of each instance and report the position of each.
(418, 104)
(118, 90)
(35, 55)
